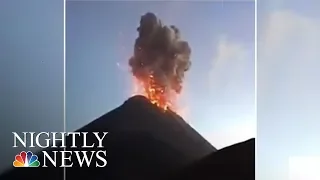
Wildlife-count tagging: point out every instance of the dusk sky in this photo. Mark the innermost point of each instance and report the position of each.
(31, 70)
(218, 98)
(288, 90)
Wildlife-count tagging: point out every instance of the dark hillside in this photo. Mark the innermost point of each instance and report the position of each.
(144, 142)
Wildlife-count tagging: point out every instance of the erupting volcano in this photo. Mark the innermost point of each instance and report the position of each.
(160, 61)
(156, 94)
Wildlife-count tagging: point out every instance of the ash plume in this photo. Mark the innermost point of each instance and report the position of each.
(159, 51)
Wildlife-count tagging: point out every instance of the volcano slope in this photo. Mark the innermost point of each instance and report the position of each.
(144, 142)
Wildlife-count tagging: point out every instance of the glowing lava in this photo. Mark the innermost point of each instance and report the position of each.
(156, 94)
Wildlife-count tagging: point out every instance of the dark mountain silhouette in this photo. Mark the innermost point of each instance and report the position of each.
(236, 162)
(144, 142)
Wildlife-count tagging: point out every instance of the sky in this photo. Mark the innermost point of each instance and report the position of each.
(288, 90)
(31, 70)
(218, 97)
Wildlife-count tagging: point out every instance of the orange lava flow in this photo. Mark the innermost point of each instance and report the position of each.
(156, 94)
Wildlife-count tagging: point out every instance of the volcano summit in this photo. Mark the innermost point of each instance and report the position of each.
(143, 142)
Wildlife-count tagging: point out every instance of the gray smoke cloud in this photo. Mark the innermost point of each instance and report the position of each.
(160, 51)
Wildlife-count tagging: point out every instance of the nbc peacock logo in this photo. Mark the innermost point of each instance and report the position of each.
(26, 159)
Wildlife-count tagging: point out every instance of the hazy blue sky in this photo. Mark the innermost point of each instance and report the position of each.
(288, 90)
(31, 70)
(219, 93)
